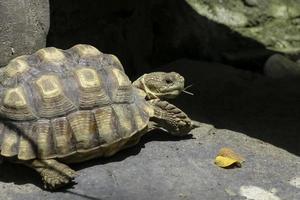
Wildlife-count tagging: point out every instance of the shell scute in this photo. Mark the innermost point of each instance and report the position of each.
(63, 136)
(15, 105)
(85, 51)
(123, 117)
(121, 90)
(88, 78)
(106, 126)
(17, 66)
(49, 86)
(53, 101)
(44, 139)
(84, 129)
(10, 142)
(92, 90)
(50, 54)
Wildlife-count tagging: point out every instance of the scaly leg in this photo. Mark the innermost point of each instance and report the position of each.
(54, 174)
(169, 117)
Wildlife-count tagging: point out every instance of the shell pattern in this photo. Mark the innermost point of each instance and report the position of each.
(56, 103)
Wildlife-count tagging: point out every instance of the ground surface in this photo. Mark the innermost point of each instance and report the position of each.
(243, 106)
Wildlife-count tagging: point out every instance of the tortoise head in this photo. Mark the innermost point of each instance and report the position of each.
(162, 85)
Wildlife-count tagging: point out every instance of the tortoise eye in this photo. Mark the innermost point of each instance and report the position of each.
(168, 81)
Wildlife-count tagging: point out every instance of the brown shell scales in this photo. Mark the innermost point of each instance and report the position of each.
(57, 103)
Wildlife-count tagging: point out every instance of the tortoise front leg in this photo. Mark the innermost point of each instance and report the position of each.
(54, 174)
(170, 118)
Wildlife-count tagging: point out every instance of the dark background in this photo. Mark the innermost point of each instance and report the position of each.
(147, 34)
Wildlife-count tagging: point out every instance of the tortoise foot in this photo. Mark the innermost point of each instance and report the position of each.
(53, 179)
(54, 174)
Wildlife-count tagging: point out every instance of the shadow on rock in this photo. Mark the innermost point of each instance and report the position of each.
(20, 175)
(152, 136)
(242, 101)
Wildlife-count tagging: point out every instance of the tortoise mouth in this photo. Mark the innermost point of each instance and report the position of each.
(174, 88)
(170, 92)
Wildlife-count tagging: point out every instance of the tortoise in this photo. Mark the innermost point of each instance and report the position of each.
(68, 106)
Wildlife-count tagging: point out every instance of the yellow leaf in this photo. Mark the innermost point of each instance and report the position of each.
(227, 152)
(224, 161)
(227, 157)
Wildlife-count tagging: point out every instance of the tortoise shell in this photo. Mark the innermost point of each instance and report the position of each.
(56, 103)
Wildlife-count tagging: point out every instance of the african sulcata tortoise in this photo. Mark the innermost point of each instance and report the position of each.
(67, 106)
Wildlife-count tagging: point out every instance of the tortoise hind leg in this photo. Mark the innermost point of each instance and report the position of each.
(170, 118)
(54, 174)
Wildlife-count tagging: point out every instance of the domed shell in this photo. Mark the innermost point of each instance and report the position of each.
(61, 102)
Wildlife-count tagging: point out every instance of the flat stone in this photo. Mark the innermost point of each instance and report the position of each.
(164, 167)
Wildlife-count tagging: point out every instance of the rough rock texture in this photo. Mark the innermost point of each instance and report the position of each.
(150, 33)
(274, 23)
(163, 167)
(23, 27)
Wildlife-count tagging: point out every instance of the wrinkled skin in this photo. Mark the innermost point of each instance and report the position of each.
(161, 85)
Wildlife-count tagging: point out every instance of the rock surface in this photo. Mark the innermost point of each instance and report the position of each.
(279, 66)
(274, 23)
(150, 33)
(23, 27)
(164, 167)
(161, 167)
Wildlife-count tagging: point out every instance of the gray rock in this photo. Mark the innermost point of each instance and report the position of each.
(162, 167)
(273, 23)
(279, 66)
(23, 27)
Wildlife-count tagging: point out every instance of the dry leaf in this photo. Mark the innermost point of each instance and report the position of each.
(227, 157)
(227, 152)
(225, 161)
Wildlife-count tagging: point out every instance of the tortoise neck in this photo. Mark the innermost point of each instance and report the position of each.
(140, 84)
